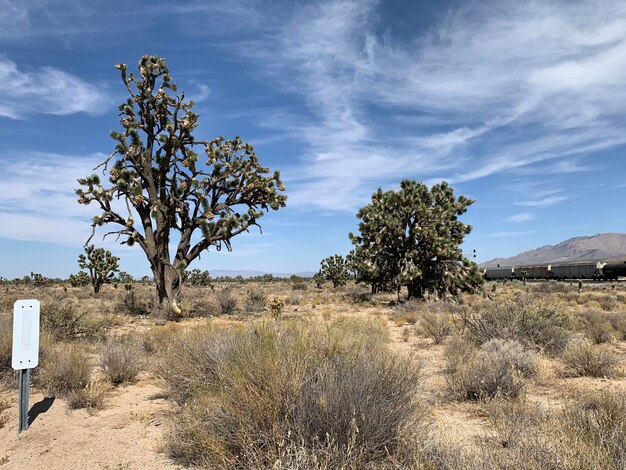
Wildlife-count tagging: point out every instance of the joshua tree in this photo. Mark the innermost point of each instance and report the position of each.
(196, 277)
(412, 238)
(100, 263)
(335, 269)
(319, 279)
(80, 279)
(164, 186)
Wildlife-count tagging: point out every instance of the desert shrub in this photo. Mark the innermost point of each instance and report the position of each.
(122, 359)
(67, 368)
(531, 322)
(133, 303)
(92, 396)
(528, 437)
(618, 322)
(582, 358)
(436, 325)
(226, 302)
(6, 345)
(4, 417)
(291, 395)
(64, 322)
(256, 301)
(357, 294)
(300, 286)
(497, 369)
(198, 307)
(294, 298)
(599, 420)
(552, 287)
(597, 327)
(159, 338)
(608, 303)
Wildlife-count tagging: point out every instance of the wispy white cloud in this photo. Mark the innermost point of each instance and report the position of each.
(47, 90)
(543, 202)
(37, 198)
(521, 217)
(512, 234)
(495, 87)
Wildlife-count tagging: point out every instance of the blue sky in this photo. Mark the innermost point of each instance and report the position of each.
(520, 105)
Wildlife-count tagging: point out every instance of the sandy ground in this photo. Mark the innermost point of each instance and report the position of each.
(127, 434)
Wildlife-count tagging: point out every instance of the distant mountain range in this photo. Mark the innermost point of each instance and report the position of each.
(248, 274)
(600, 247)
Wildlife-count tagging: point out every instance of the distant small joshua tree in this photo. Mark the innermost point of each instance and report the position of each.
(335, 269)
(101, 264)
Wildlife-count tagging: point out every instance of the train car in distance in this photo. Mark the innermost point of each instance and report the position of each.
(533, 272)
(590, 270)
(577, 271)
(614, 271)
(499, 273)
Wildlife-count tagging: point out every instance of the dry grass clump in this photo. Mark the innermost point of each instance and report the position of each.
(537, 324)
(292, 394)
(436, 325)
(608, 303)
(122, 359)
(65, 322)
(597, 326)
(6, 345)
(92, 396)
(226, 302)
(588, 433)
(357, 294)
(256, 301)
(599, 420)
(584, 359)
(67, 368)
(4, 417)
(499, 368)
(552, 287)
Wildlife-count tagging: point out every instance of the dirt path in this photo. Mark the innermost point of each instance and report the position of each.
(127, 434)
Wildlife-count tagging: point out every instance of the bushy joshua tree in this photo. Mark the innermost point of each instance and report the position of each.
(319, 279)
(100, 263)
(80, 279)
(412, 238)
(165, 186)
(196, 277)
(335, 269)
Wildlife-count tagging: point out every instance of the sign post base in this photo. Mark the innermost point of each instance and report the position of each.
(24, 378)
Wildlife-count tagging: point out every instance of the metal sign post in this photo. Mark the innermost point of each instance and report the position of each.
(25, 353)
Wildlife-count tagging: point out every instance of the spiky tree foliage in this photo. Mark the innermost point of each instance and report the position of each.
(38, 280)
(196, 277)
(124, 277)
(319, 279)
(412, 238)
(80, 279)
(165, 186)
(100, 263)
(335, 269)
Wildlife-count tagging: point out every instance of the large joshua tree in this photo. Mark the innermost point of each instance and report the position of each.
(159, 184)
(412, 238)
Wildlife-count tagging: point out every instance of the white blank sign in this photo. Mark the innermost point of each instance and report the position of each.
(25, 334)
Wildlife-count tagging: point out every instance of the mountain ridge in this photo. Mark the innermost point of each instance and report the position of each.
(598, 247)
